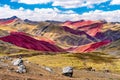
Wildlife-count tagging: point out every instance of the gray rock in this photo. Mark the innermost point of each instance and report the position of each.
(21, 69)
(17, 62)
(6, 57)
(48, 69)
(67, 71)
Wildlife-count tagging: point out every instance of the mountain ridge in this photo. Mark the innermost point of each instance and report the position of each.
(65, 35)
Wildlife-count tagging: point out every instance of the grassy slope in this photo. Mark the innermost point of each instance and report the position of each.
(99, 61)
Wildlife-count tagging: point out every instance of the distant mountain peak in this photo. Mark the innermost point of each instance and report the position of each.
(29, 21)
(14, 17)
(52, 21)
(11, 18)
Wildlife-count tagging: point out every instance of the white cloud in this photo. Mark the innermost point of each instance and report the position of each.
(32, 1)
(58, 15)
(64, 3)
(76, 3)
(111, 16)
(115, 2)
(21, 8)
(38, 14)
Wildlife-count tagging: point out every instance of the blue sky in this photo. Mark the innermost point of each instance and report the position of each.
(61, 10)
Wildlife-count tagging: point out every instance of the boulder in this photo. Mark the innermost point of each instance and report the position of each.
(21, 69)
(67, 71)
(17, 62)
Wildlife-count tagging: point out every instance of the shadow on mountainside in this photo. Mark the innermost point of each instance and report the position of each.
(95, 57)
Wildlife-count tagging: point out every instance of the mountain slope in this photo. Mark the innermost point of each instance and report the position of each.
(88, 47)
(76, 36)
(8, 20)
(22, 40)
(113, 48)
(90, 27)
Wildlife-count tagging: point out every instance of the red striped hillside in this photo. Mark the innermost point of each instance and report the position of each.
(22, 40)
(89, 47)
(90, 27)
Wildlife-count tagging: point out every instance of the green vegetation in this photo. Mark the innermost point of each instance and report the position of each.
(99, 61)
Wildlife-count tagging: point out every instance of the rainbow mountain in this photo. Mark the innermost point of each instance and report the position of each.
(54, 36)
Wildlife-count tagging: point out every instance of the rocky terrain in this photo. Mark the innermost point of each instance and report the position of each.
(38, 72)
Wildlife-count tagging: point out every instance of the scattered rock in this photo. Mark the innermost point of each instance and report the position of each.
(27, 61)
(106, 70)
(41, 74)
(67, 71)
(89, 69)
(21, 69)
(48, 69)
(6, 57)
(93, 70)
(17, 62)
